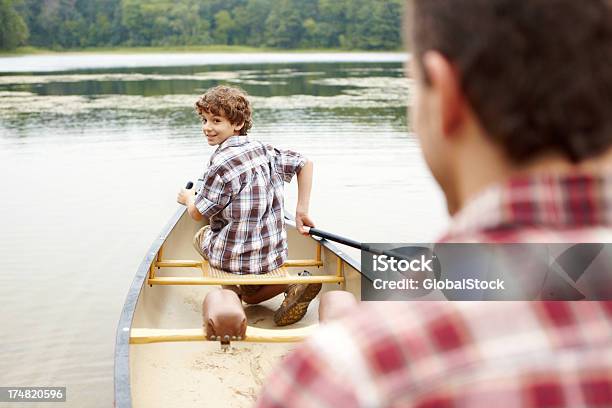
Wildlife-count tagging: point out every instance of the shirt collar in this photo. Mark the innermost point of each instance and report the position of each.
(555, 201)
(236, 140)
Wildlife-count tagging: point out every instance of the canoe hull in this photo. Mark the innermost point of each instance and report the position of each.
(176, 372)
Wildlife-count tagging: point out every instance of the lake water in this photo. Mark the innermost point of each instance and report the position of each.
(92, 159)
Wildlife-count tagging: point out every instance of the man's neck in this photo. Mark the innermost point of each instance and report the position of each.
(492, 167)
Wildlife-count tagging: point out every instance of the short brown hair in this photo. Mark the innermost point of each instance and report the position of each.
(537, 73)
(229, 102)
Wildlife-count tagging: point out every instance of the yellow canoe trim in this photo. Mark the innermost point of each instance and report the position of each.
(246, 280)
(253, 335)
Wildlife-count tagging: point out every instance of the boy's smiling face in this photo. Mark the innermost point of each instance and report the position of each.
(218, 128)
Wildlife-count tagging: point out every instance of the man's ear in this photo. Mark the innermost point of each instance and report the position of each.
(446, 84)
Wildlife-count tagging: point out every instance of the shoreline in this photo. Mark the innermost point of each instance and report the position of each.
(156, 58)
(181, 49)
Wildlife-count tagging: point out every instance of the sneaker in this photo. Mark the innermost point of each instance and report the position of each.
(297, 298)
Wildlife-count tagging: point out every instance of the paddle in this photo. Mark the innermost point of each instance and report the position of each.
(408, 253)
(354, 244)
(574, 261)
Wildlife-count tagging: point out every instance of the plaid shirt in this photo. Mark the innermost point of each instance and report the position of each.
(242, 196)
(472, 354)
(543, 208)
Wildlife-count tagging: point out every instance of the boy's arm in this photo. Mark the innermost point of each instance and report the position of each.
(304, 178)
(187, 198)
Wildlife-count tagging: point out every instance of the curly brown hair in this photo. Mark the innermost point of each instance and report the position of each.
(229, 102)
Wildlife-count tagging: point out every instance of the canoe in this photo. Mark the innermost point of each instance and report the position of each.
(162, 357)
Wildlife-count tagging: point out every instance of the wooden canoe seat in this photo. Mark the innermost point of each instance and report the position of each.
(253, 335)
(214, 276)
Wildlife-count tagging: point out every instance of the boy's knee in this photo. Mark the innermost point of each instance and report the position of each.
(223, 315)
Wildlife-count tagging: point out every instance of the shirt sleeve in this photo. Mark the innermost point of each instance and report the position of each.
(214, 195)
(288, 163)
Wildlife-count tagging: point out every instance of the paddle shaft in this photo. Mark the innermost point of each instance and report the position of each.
(352, 243)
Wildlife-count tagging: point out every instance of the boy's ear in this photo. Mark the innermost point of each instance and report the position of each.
(238, 127)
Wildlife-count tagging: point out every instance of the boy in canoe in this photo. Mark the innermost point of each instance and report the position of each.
(242, 197)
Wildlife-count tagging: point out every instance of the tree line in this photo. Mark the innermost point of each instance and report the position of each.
(286, 24)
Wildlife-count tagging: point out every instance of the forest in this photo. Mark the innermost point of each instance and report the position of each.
(282, 24)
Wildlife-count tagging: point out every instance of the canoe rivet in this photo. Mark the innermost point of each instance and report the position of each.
(233, 337)
(226, 337)
(219, 338)
(212, 337)
(239, 338)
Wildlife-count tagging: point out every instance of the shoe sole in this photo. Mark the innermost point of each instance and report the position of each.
(296, 311)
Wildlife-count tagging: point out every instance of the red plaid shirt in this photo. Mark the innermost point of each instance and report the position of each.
(242, 196)
(472, 354)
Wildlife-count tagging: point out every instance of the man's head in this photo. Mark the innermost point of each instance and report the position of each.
(527, 80)
(225, 112)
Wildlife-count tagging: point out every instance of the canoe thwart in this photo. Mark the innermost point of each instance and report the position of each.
(178, 263)
(214, 276)
(245, 280)
(253, 335)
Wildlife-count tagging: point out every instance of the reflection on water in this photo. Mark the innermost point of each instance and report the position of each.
(91, 163)
(358, 92)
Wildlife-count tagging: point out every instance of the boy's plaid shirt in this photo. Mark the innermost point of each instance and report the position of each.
(242, 195)
(472, 354)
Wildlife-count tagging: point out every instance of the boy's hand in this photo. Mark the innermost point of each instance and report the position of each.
(302, 219)
(186, 196)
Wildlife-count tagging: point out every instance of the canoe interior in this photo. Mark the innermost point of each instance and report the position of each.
(199, 373)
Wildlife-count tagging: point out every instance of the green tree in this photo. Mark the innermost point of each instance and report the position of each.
(224, 24)
(284, 25)
(380, 30)
(257, 12)
(13, 29)
(99, 16)
(240, 31)
(164, 22)
(350, 24)
(331, 23)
